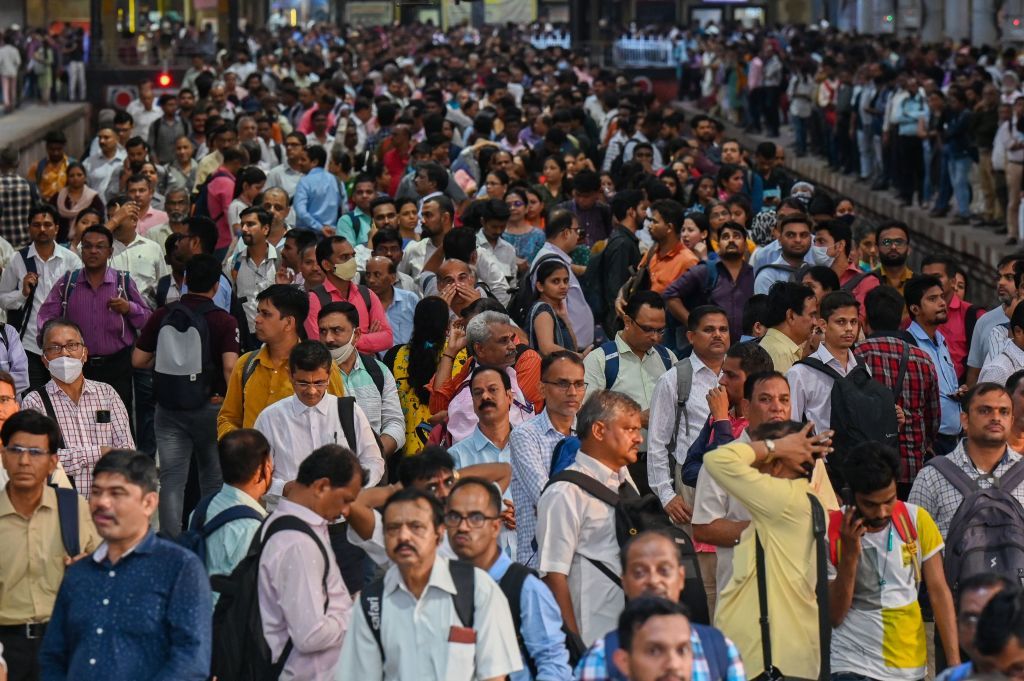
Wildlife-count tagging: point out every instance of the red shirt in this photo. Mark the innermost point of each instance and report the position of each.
(396, 162)
(219, 194)
(376, 341)
(954, 330)
(860, 291)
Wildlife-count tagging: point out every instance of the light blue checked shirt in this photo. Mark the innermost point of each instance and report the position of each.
(531, 444)
(477, 449)
(594, 665)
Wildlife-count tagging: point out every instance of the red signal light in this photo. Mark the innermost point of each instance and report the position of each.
(164, 80)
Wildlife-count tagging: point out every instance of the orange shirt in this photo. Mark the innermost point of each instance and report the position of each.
(527, 375)
(666, 269)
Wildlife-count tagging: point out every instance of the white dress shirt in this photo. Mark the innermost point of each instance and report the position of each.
(415, 256)
(295, 430)
(662, 423)
(1003, 365)
(99, 169)
(415, 631)
(144, 260)
(292, 597)
(49, 271)
(503, 252)
(572, 527)
(251, 279)
(810, 390)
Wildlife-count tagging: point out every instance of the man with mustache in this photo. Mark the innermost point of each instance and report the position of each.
(880, 551)
(655, 635)
(432, 618)
(893, 239)
(795, 240)
(253, 269)
(651, 569)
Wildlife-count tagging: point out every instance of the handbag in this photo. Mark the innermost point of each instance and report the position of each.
(819, 529)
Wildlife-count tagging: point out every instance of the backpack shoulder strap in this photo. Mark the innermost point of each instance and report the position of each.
(762, 606)
(611, 363)
(198, 521)
(587, 484)
(954, 475)
(684, 383)
(835, 524)
(322, 295)
(230, 515)
(855, 282)
(611, 644)
(465, 586)
(902, 372)
(1012, 478)
(511, 584)
(904, 523)
(371, 600)
(347, 417)
(365, 293)
(251, 360)
(819, 527)
(163, 287)
(716, 651)
(373, 368)
(3, 336)
(710, 278)
(290, 522)
(30, 263)
(666, 359)
(817, 364)
(67, 513)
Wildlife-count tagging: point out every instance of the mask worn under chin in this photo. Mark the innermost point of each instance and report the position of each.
(820, 256)
(346, 271)
(65, 369)
(340, 355)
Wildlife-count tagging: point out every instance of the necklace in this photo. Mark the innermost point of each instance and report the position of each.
(885, 560)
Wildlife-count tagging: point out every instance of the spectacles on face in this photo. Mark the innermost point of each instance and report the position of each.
(72, 348)
(516, 204)
(565, 386)
(649, 330)
(18, 451)
(475, 520)
(892, 243)
(306, 385)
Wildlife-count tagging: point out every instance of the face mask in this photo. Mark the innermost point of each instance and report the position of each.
(66, 369)
(820, 256)
(648, 219)
(340, 355)
(346, 271)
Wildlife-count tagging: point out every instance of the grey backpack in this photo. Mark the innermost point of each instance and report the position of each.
(987, 531)
(184, 368)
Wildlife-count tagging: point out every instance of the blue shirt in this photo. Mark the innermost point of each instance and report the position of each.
(477, 449)
(148, 616)
(949, 424)
(400, 313)
(227, 545)
(347, 229)
(13, 359)
(540, 626)
(223, 297)
(317, 200)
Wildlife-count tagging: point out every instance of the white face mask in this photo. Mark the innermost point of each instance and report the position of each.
(820, 256)
(346, 271)
(340, 355)
(65, 369)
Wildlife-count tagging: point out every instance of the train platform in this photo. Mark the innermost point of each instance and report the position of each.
(26, 127)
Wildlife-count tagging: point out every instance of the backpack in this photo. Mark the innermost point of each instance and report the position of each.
(788, 269)
(611, 361)
(712, 641)
(520, 304)
(564, 454)
(163, 287)
(44, 397)
(633, 516)
(199, 530)
(702, 296)
(201, 206)
(863, 410)
(511, 585)
(855, 282)
(325, 298)
(904, 529)
(371, 600)
(19, 318)
(240, 652)
(987, 530)
(67, 515)
(70, 280)
(684, 384)
(182, 377)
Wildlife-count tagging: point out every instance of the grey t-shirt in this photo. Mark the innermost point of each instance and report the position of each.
(982, 332)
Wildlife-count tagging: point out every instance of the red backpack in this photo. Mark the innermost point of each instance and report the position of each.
(900, 518)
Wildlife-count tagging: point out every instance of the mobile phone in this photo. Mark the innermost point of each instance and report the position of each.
(103, 416)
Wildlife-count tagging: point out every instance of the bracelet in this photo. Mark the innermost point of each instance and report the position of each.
(451, 357)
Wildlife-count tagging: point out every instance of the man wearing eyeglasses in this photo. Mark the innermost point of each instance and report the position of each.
(893, 240)
(34, 555)
(91, 416)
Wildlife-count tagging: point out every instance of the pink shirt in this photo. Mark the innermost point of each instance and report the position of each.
(369, 341)
(955, 332)
(219, 194)
(154, 218)
(860, 291)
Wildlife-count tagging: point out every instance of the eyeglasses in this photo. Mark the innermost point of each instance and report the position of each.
(893, 243)
(475, 520)
(565, 386)
(655, 330)
(515, 204)
(72, 348)
(306, 385)
(17, 451)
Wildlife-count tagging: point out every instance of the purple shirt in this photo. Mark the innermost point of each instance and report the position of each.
(729, 295)
(103, 330)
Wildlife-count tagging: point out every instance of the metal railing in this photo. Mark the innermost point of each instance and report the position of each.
(632, 52)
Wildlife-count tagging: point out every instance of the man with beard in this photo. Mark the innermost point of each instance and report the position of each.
(881, 550)
(893, 239)
(927, 308)
(651, 568)
(1008, 293)
(287, 175)
(795, 240)
(137, 151)
(455, 613)
(436, 216)
(733, 283)
(710, 154)
(252, 270)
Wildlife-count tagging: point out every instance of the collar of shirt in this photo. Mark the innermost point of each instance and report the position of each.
(480, 442)
(544, 423)
(356, 368)
(224, 171)
(781, 338)
(955, 303)
(959, 456)
(271, 255)
(266, 361)
(829, 359)
(241, 498)
(600, 472)
(307, 515)
(657, 257)
(48, 500)
(917, 332)
(58, 252)
(298, 408)
(144, 546)
(88, 388)
(624, 349)
(500, 567)
(110, 276)
(698, 364)
(440, 578)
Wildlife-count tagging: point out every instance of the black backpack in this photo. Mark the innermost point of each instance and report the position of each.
(633, 516)
(511, 585)
(201, 206)
(520, 304)
(19, 318)
(325, 298)
(199, 529)
(182, 377)
(371, 600)
(863, 410)
(240, 652)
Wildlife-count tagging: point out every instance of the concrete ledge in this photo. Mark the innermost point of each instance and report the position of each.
(26, 127)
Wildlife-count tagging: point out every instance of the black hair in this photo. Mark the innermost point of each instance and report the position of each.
(883, 306)
(137, 468)
(891, 224)
(32, 422)
(202, 273)
(102, 231)
(336, 463)
(553, 357)
(493, 495)
(340, 307)
(325, 250)
(435, 173)
(870, 466)
(914, 289)
(249, 175)
(586, 182)
(317, 155)
(483, 368)
(672, 212)
(836, 300)
(825, 276)
(386, 236)
(1014, 380)
(641, 298)
(698, 314)
(774, 430)
(309, 355)
(264, 216)
(241, 454)
(624, 200)
(44, 208)
(979, 390)
(289, 301)
(755, 378)
(426, 464)
(784, 296)
(205, 230)
(755, 310)
(753, 358)
(1002, 618)
(726, 171)
(416, 494)
(821, 204)
(1017, 318)
(444, 204)
(495, 209)
(558, 221)
(380, 200)
(429, 328)
(839, 231)
(460, 244)
(549, 267)
(639, 610)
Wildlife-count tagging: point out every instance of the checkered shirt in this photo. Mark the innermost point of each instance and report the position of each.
(594, 665)
(17, 196)
(919, 396)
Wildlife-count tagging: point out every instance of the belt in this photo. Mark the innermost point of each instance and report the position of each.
(100, 360)
(29, 630)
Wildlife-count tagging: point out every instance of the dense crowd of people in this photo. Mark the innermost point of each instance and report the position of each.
(420, 356)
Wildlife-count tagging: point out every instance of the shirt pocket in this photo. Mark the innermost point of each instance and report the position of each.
(461, 662)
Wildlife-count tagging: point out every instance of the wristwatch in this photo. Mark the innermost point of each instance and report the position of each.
(770, 446)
